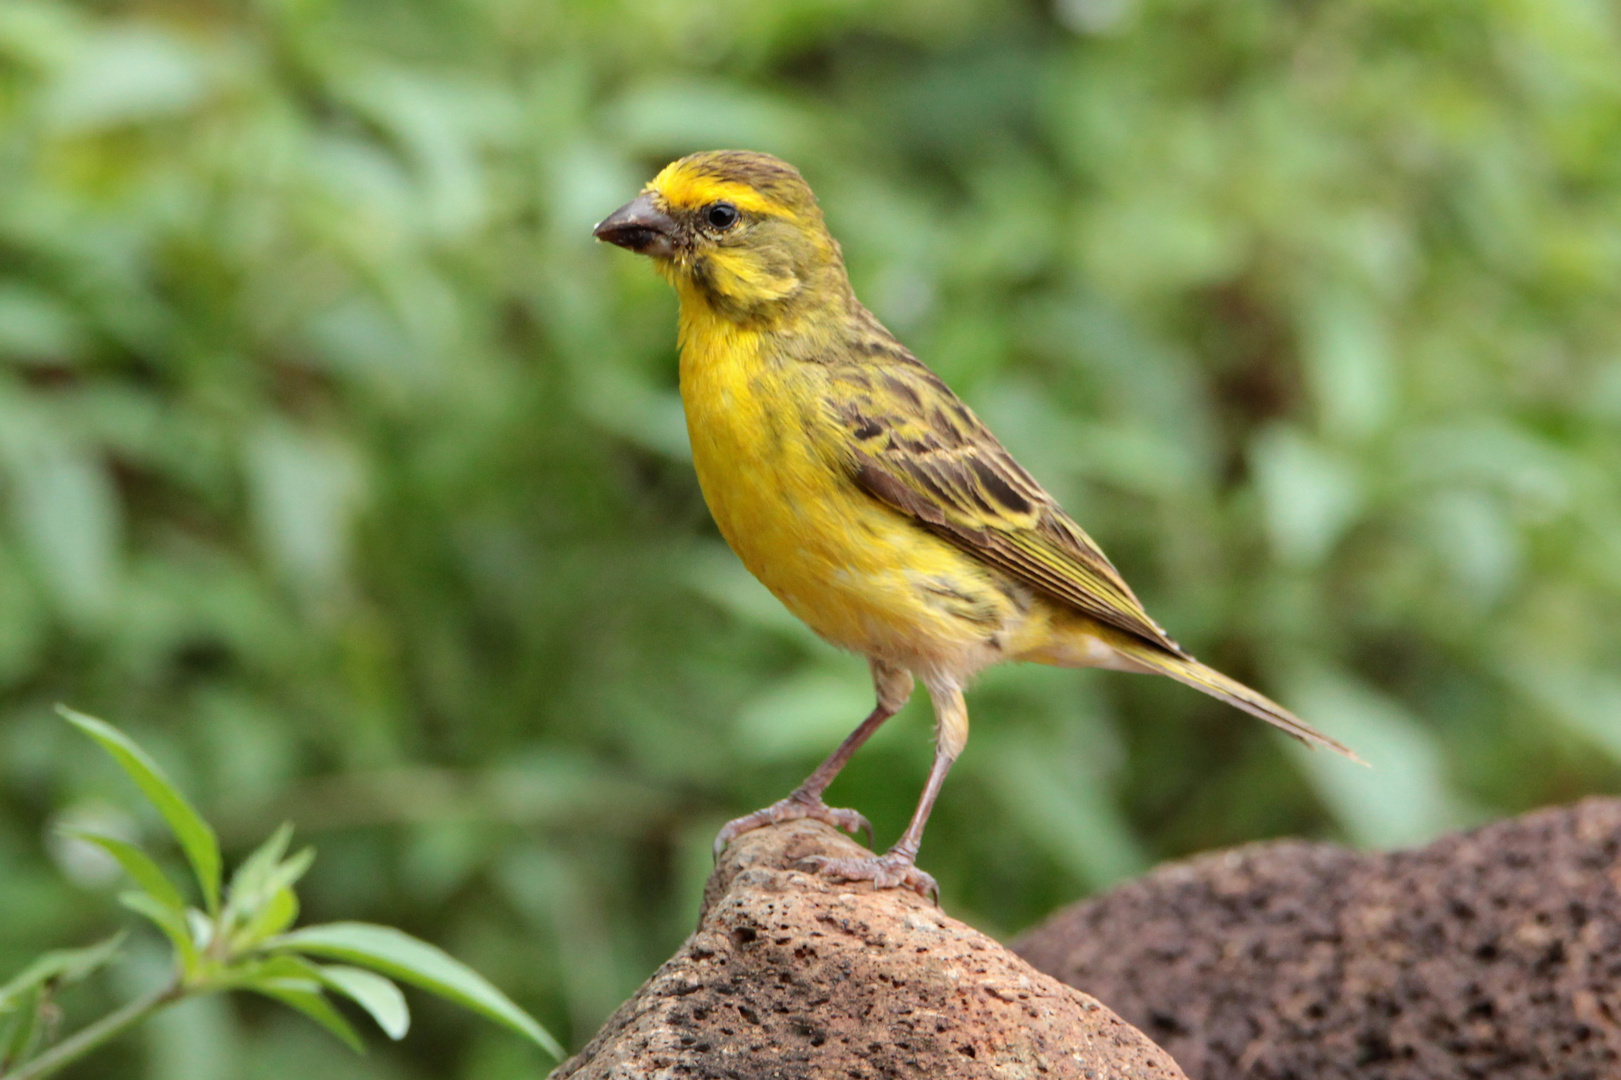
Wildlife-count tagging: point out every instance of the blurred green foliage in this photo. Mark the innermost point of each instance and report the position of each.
(340, 465)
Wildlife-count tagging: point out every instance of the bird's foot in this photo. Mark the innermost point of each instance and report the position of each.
(793, 808)
(891, 870)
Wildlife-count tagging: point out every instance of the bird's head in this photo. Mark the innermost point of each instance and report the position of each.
(735, 230)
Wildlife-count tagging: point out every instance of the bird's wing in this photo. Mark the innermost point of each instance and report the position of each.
(912, 444)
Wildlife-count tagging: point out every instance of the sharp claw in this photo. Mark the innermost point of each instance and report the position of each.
(850, 821)
(889, 871)
(792, 808)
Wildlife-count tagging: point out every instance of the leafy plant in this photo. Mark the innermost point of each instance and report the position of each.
(241, 938)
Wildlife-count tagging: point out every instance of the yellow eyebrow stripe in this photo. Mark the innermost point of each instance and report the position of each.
(688, 189)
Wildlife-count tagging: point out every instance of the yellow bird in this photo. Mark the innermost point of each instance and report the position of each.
(862, 492)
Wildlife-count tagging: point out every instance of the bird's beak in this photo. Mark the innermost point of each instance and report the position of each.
(641, 227)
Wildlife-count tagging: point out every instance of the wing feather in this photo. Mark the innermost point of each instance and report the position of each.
(913, 445)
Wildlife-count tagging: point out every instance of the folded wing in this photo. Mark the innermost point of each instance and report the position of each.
(915, 446)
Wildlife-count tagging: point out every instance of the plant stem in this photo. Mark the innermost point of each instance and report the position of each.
(108, 1027)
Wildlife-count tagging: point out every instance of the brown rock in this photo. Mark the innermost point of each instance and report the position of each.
(792, 975)
(1492, 953)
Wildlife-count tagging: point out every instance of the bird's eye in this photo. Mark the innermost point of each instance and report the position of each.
(721, 215)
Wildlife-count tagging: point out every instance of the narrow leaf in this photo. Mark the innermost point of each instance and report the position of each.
(196, 838)
(20, 1033)
(288, 873)
(398, 954)
(172, 923)
(201, 926)
(277, 914)
(250, 973)
(138, 865)
(58, 967)
(306, 997)
(287, 973)
(372, 992)
(251, 875)
(260, 900)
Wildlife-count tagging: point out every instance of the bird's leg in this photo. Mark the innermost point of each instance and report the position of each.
(893, 686)
(897, 867)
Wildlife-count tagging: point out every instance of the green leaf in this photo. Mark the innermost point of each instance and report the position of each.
(28, 995)
(305, 995)
(20, 1033)
(201, 926)
(285, 876)
(254, 870)
(260, 898)
(138, 865)
(58, 967)
(294, 981)
(372, 992)
(173, 924)
(196, 838)
(274, 916)
(398, 954)
(246, 975)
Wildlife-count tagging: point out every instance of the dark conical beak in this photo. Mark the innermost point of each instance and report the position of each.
(640, 227)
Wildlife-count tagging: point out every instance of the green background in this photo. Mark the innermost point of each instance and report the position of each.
(343, 469)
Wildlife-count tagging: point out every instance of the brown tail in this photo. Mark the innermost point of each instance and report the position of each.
(1197, 675)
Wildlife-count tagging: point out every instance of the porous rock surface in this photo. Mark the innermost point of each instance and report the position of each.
(792, 975)
(1492, 953)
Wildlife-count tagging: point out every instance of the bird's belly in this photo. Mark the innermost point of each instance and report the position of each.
(858, 573)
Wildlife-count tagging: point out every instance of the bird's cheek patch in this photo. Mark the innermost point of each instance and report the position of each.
(744, 276)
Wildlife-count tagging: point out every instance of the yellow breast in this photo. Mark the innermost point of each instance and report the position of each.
(767, 457)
